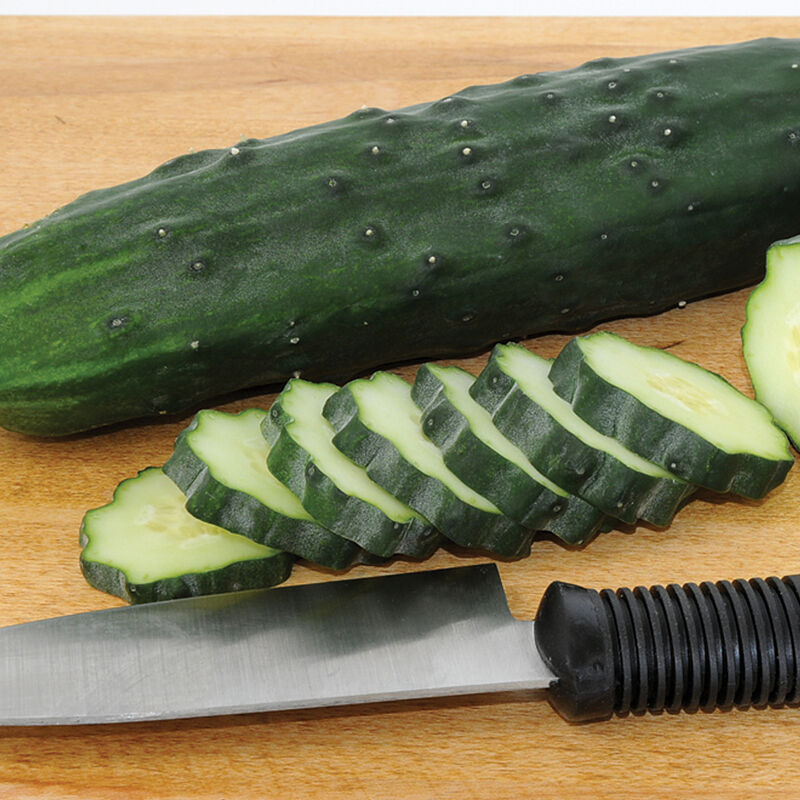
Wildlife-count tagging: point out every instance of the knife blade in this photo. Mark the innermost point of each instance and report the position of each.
(420, 634)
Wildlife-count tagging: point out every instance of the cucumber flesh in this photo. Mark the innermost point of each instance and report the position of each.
(145, 546)
(220, 463)
(676, 413)
(237, 451)
(771, 336)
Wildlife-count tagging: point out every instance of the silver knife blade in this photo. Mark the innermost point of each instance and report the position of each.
(421, 634)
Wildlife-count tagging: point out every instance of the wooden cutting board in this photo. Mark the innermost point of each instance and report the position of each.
(93, 102)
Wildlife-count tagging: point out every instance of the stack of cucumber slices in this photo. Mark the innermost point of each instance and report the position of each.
(607, 433)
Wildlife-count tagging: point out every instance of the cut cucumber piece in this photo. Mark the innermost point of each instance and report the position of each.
(673, 412)
(380, 427)
(488, 462)
(144, 546)
(332, 488)
(514, 388)
(220, 464)
(771, 336)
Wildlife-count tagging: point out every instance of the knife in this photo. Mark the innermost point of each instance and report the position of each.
(419, 634)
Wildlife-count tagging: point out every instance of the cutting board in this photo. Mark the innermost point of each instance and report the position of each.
(91, 102)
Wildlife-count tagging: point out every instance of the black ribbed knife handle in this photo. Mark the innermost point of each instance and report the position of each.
(690, 647)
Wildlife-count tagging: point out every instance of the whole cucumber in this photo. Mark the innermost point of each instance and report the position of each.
(547, 203)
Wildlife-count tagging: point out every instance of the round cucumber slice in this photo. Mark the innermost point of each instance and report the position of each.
(144, 546)
(673, 412)
(771, 336)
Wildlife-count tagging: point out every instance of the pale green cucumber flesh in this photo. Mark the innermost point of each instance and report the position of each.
(771, 337)
(144, 545)
(220, 464)
(236, 452)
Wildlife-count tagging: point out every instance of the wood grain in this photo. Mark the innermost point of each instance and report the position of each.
(89, 102)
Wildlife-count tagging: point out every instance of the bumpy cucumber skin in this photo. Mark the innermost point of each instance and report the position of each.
(237, 576)
(348, 516)
(500, 481)
(212, 501)
(596, 476)
(614, 412)
(460, 522)
(498, 212)
(251, 574)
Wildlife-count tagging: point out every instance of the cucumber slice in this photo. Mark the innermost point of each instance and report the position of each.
(675, 413)
(380, 427)
(144, 546)
(332, 488)
(475, 450)
(771, 336)
(514, 388)
(220, 464)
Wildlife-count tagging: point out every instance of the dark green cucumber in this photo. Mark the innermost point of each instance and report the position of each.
(488, 462)
(379, 426)
(548, 202)
(771, 336)
(220, 464)
(514, 389)
(144, 546)
(673, 412)
(333, 489)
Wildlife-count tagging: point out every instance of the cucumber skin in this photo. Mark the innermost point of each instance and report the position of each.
(616, 413)
(239, 576)
(238, 512)
(288, 276)
(503, 483)
(345, 515)
(589, 473)
(462, 523)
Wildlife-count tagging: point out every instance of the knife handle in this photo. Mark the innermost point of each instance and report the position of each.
(690, 647)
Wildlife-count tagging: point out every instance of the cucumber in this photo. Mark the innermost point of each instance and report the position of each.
(514, 388)
(498, 212)
(144, 546)
(771, 336)
(332, 488)
(220, 464)
(379, 426)
(673, 412)
(475, 450)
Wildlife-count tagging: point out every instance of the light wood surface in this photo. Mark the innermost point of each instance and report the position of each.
(86, 103)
